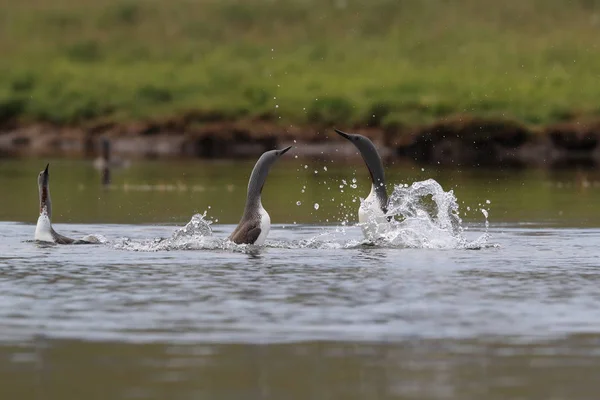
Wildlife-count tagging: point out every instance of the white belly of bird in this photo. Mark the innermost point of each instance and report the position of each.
(265, 226)
(43, 229)
(371, 218)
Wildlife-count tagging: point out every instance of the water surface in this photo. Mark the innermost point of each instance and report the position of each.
(317, 312)
(161, 192)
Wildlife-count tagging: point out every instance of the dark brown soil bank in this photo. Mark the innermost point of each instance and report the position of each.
(466, 141)
(457, 141)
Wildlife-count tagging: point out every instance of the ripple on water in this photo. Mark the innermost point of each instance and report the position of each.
(300, 288)
(423, 215)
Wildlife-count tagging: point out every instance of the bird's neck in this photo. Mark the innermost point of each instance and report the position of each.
(45, 201)
(253, 203)
(379, 193)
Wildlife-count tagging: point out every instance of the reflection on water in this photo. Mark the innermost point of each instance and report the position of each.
(430, 369)
(316, 313)
(516, 321)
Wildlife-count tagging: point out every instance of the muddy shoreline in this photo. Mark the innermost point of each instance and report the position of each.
(456, 141)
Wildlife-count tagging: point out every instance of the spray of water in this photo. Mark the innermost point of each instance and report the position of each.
(195, 235)
(423, 215)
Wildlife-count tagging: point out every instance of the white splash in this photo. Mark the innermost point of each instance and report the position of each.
(195, 235)
(96, 239)
(423, 215)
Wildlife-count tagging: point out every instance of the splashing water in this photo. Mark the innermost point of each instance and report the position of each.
(424, 216)
(195, 235)
(198, 227)
(95, 239)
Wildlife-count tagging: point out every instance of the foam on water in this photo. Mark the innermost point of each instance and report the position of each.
(425, 216)
(328, 239)
(422, 215)
(195, 235)
(95, 239)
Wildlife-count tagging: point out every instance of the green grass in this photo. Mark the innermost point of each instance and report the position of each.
(347, 62)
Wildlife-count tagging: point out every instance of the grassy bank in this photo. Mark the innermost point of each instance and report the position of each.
(299, 61)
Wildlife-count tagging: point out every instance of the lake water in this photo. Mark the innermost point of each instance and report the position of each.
(456, 311)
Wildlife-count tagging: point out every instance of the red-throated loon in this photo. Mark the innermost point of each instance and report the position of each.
(256, 223)
(43, 230)
(372, 211)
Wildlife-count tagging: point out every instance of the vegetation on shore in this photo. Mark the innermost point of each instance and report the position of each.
(375, 63)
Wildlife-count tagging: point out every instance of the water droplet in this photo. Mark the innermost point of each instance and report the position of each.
(487, 202)
(276, 105)
(316, 206)
(324, 168)
(298, 203)
(316, 172)
(305, 166)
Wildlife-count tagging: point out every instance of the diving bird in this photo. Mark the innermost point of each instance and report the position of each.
(372, 211)
(43, 230)
(256, 223)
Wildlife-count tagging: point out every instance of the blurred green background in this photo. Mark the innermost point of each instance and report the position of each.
(303, 62)
(374, 62)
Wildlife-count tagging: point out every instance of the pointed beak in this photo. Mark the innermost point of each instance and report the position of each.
(284, 150)
(46, 170)
(343, 134)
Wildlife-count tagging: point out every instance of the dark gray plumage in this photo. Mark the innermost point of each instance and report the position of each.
(256, 223)
(369, 153)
